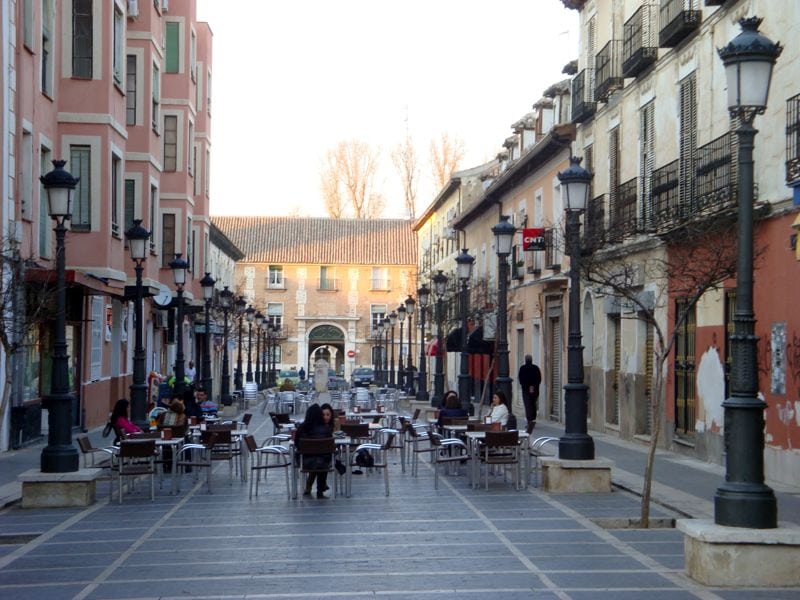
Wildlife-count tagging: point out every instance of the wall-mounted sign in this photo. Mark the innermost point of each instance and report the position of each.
(533, 238)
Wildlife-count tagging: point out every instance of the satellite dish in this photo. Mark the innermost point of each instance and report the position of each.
(164, 297)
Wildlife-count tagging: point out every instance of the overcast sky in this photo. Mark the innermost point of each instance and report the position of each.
(294, 78)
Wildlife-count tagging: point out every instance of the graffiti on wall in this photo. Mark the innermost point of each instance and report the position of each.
(778, 372)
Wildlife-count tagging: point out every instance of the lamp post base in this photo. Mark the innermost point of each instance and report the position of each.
(745, 505)
(576, 446)
(60, 455)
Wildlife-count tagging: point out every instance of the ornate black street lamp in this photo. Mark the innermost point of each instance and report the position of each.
(464, 263)
(743, 500)
(401, 318)
(410, 305)
(378, 331)
(385, 366)
(250, 315)
(576, 443)
(137, 238)
(265, 341)
(390, 370)
(226, 303)
(504, 238)
(60, 455)
(273, 358)
(259, 329)
(424, 296)
(207, 284)
(439, 288)
(240, 305)
(179, 267)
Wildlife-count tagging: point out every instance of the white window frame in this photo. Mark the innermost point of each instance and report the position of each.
(275, 314)
(155, 98)
(275, 283)
(45, 226)
(119, 58)
(117, 191)
(381, 310)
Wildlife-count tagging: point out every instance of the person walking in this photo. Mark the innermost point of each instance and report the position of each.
(530, 378)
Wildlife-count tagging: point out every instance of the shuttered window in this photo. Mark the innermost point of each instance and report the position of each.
(555, 368)
(688, 143)
(82, 39)
(685, 370)
(130, 90)
(130, 202)
(646, 162)
(80, 158)
(167, 239)
(613, 174)
(648, 379)
(612, 412)
(170, 143)
(173, 47)
(591, 41)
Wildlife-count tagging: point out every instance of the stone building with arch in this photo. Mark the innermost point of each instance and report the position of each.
(325, 283)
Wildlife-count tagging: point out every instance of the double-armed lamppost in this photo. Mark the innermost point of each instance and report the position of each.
(259, 350)
(390, 370)
(60, 455)
(240, 305)
(401, 317)
(439, 288)
(179, 267)
(207, 284)
(464, 263)
(250, 315)
(137, 238)
(225, 302)
(504, 238)
(743, 500)
(410, 305)
(576, 443)
(424, 296)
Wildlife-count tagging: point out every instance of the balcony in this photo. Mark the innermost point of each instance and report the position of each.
(608, 71)
(277, 284)
(623, 212)
(380, 285)
(678, 19)
(639, 46)
(552, 257)
(715, 2)
(328, 284)
(583, 104)
(594, 223)
(533, 262)
(793, 140)
(715, 181)
(664, 206)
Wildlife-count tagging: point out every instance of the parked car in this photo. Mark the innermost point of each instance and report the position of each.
(362, 377)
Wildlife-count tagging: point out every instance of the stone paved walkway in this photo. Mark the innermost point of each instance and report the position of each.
(454, 542)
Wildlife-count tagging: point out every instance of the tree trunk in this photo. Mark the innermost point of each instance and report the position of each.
(657, 405)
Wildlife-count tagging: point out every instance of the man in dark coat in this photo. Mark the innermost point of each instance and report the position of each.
(530, 377)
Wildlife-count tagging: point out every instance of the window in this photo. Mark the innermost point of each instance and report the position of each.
(196, 182)
(116, 171)
(44, 217)
(27, 24)
(130, 90)
(80, 166)
(687, 140)
(189, 244)
(130, 203)
(275, 277)
(646, 159)
(190, 164)
(167, 239)
(275, 314)
(380, 278)
(153, 220)
(327, 280)
(26, 161)
(377, 314)
(173, 47)
(119, 41)
(82, 39)
(208, 173)
(193, 56)
(48, 26)
(208, 93)
(792, 140)
(98, 322)
(156, 96)
(170, 143)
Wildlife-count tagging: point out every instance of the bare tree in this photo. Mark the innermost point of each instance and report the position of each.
(446, 156)
(684, 263)
(404, 157)
(349, 183)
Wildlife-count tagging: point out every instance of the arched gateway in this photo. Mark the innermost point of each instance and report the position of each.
(327, 342)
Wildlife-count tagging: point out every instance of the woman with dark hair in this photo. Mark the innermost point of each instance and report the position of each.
(451, 407)
(500, 410)
(119, 420)
(328, 415)
(314, 427)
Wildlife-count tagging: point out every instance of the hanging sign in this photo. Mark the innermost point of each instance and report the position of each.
(533, 238)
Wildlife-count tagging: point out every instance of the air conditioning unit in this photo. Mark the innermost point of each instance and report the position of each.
(133, 8)
(164, 5)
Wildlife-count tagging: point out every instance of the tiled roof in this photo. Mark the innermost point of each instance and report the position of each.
(287, 240)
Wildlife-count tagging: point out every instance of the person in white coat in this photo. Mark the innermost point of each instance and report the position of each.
(500, 410)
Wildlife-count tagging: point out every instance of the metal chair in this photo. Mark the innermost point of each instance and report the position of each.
(197, 456)
(542, 446)
(381, 450)
(88, 450)
(281, 455)
(501, 448)
(448, 451)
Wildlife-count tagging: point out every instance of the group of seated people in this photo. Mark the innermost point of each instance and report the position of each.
(451, 408)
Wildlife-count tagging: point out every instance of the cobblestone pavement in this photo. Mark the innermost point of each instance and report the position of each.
(454, 542)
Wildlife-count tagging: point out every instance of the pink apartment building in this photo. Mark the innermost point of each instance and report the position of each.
(121, 91)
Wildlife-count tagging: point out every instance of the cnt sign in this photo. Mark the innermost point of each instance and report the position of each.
(533, 238)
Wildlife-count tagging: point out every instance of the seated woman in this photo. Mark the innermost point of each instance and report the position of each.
(314, 427)
(119, 420)
(500, 410)
(451, 408)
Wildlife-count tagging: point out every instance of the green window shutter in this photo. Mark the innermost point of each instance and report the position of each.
(173, 47)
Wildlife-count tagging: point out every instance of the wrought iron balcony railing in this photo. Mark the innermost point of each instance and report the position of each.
(380, 285)
(793, 139)
(639, 44)
(552, 257)
(678, 19)
(583, 104)
(664, 205)
(715, 183)
(623, 212)
(594, 222)
(608, 70)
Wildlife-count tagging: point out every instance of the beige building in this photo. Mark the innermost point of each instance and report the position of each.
(325, 283)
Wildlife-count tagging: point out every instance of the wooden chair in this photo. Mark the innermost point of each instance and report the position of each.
(448, 451)
(281, 455)
(135, 458)
(316, 447)
(501, 448)
(89, 451)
